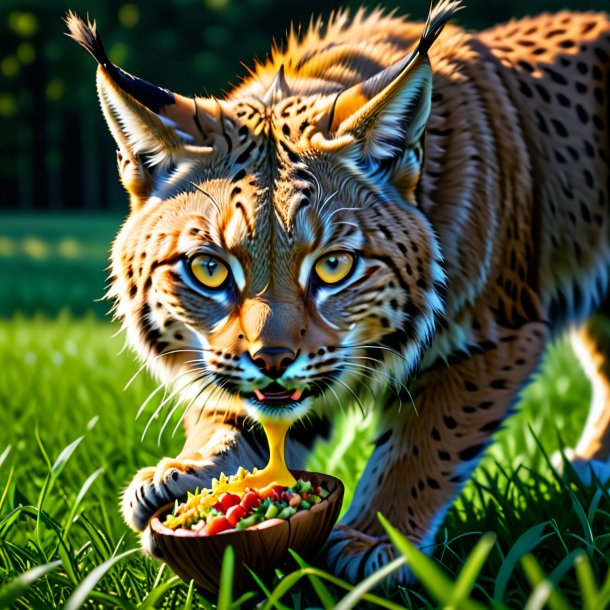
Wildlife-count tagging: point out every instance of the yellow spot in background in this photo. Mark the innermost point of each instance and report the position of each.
(9, 66)
(55, 90)
(7, 246)
(129, 15)
(118, 53)
(69, 248)
(8, 105)
(26, 53)
(34, 247)
(24, 24)
(216, 5)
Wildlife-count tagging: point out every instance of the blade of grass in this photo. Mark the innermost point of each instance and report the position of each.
(69, 562)
(593, 506)
(240, 601)
(471, 569)
(324, 595)
(98, 539)
(357, 593)
(160, 572)
(5, 454)
(82, 592)
(64, 456)
(586, 581)
(158, 591)
(43, 451)
(427, 571)
(563, 567)
(544, 591)
(79, 498)
(265, 590)
(7, 486)
(291, 579)
(579, 511)
(225, 594)
(54, 472)
(603, 601)
(188, 603)
(528, 541)
(14, 589)
(113, 601)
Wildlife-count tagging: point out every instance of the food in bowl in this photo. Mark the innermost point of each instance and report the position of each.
(214, 511)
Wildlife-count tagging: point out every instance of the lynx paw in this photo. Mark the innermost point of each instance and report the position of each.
(152, 488)
(353, 555)
(149, 546)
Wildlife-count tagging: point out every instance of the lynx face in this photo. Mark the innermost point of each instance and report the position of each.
(275, 252)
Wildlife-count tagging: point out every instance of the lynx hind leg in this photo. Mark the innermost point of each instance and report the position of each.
(591, 344)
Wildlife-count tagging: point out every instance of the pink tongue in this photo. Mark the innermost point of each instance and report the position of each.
(294, 396)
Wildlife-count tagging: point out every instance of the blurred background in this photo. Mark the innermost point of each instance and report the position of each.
(60, 198)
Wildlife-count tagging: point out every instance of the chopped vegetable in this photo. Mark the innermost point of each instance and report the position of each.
(215, 525)
(236, 514)
(250, 501)
(214, 511)
(228, 500)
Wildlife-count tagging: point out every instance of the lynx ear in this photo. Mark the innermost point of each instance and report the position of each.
(387, 113)
(153, 127)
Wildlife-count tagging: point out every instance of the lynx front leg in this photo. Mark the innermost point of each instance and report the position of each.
(422, 459)
(213, 446)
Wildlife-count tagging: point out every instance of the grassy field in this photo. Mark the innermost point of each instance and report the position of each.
(71, 442)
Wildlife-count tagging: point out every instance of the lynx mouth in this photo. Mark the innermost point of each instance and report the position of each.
(275, 395)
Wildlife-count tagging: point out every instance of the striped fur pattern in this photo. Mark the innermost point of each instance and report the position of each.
(467, 174)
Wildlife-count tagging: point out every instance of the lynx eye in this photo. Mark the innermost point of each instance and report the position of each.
(209, 271)
(334, 267)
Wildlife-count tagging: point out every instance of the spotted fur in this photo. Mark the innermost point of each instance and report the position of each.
(467, 173)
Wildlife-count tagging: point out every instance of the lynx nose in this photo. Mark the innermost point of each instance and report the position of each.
(273, 361)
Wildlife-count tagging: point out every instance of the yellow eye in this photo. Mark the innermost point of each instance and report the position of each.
(209, 270)
(334, 267)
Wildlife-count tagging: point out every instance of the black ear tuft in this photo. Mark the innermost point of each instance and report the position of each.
(438, 17)
(146, 93)
(87, 37)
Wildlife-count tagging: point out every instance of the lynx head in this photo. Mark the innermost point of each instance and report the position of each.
(275, 251)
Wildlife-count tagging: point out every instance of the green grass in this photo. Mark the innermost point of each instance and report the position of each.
(74, 443)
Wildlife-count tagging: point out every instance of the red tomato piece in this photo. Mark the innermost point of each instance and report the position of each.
(305, 495)
(215, 525)
(250, 501)
(227, 500)
(235, 514)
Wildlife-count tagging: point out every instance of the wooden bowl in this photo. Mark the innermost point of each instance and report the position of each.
(262, 547)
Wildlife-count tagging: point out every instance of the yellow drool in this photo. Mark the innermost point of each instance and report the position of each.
(275, 473)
